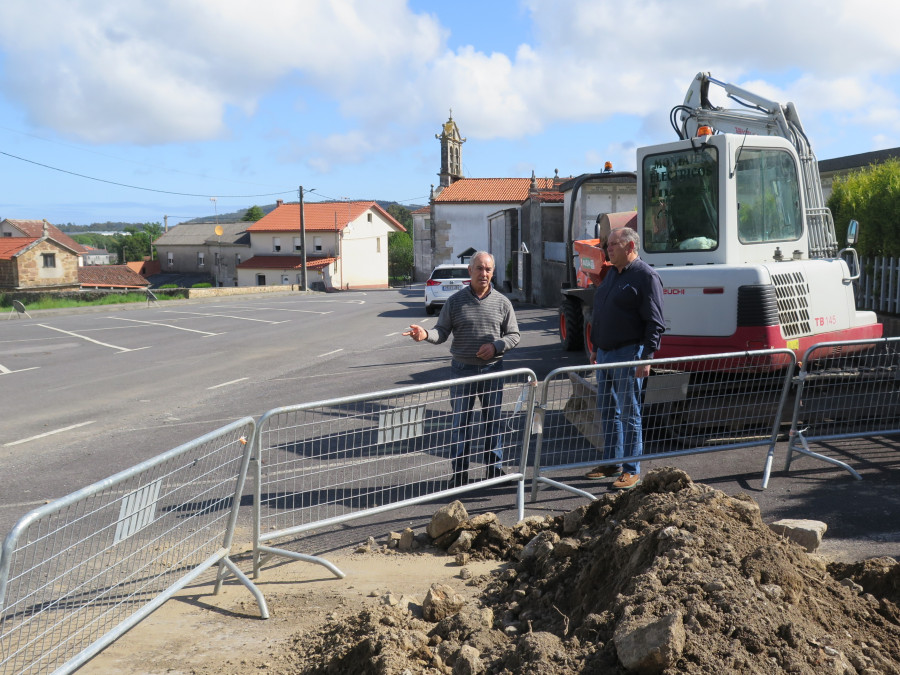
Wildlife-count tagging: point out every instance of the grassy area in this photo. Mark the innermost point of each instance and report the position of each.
(62, 303)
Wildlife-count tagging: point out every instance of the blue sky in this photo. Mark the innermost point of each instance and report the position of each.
(183, 100)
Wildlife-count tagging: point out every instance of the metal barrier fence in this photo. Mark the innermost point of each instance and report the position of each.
(690, 405)
(79, 572)
(878, 287)
(329, 462)
(846, 390)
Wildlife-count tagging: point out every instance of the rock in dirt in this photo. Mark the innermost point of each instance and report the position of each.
(446, 519)
(807, 533)
(441, 601)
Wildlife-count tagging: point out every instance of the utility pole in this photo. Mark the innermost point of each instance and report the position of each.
(302, 245)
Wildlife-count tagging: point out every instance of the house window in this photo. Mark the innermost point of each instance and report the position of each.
(297, 245)
(170, 259)
(317, 243)
(426, 224)
(377, 244)
(200, 259)
(260, 279)
(217, 258)
(49, 259)
(237, 259)
(369, 217)
(276, 244)
(7, 234)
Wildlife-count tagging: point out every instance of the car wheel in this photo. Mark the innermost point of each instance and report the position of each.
(429, 310)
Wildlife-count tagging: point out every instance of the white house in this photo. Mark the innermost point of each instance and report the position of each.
(346, 245)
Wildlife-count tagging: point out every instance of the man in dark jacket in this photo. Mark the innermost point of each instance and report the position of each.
(627, 326)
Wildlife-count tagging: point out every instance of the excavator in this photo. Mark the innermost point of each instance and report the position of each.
(733, 217)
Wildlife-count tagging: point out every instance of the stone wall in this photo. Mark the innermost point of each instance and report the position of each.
(32, 272)
(237, 290)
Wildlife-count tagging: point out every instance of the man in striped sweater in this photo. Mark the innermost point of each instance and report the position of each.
(484, 328)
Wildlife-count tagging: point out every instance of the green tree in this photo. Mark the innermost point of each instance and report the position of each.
(96, 240)
(402, 215)
(153, 230)
(400, 255)
(253, 214)
(871, 196)
(134, 245)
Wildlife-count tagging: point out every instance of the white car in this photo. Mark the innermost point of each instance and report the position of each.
(444, 281)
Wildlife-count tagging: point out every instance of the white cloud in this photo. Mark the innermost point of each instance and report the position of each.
(156, 72)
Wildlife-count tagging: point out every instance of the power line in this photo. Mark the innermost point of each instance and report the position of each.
(118, 159)
(137, 187)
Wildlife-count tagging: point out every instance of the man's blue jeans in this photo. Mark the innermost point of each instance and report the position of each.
(619, 403)
(490, 393)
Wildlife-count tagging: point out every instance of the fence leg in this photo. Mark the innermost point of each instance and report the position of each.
(303, 558)
(768, 470)
(822, 458)
(260, 600)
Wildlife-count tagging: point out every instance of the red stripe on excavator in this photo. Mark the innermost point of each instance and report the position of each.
(752, 338)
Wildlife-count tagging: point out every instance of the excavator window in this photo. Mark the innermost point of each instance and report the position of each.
(768, 193)
(681, 200)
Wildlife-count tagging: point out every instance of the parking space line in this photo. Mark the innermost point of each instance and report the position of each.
(166, 325)
(223, 316)
(97, 342)
(7, 371)
(329, 353)
(48, 433)
(225, 384)
(278, 309)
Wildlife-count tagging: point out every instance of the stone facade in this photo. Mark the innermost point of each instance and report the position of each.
(43, 264)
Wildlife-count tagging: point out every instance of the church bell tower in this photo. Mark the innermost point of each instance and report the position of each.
(451, 152)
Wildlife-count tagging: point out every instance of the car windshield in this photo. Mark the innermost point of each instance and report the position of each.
(451, 273)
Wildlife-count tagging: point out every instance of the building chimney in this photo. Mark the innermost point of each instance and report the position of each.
(46, 232)
(279, 202)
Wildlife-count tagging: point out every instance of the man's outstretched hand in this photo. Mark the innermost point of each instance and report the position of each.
(416, 332)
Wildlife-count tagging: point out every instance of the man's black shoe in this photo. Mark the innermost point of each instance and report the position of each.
(494, 471)
(458, 479)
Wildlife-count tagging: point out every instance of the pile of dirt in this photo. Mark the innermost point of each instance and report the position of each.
(670, 577)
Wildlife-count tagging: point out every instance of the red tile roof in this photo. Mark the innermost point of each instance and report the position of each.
(318, 216)
(35, 228)
(551, 197)
(118, 276)
(424, 209)
(491, 190)
(10, 246)
(284, 262)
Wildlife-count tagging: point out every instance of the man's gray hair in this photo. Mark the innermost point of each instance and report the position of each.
(479, 254)
(627, 234)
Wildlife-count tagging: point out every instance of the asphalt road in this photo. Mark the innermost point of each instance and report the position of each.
(86, 393)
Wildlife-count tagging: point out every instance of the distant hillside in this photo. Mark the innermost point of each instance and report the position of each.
(232, 217)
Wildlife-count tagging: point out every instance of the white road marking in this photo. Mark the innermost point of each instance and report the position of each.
(49, 433)
(7, 371)
(225, 384)
(224, 316)
(97, 342)
(279, 309)
(165, 325)
(329, 353)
